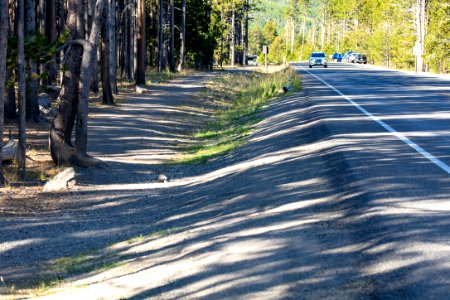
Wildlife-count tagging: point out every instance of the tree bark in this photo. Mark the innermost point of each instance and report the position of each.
(3, 48)
(140, 70)
(85, 75)
(172, 36)
(233, 38)
(160, 34)
(32, 105)
(105, 57)
(61, 147)
(112, 25)
(22, 88)
(51, 35)
(182, 64)
(10, 101)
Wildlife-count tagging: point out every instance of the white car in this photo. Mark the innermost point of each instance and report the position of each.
(318, 59)
(252, 60)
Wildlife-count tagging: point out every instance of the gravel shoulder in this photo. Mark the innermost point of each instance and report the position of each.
(254, 223)
(279, 218)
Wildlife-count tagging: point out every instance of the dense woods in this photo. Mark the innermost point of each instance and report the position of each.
(71, 48)
(387, 31)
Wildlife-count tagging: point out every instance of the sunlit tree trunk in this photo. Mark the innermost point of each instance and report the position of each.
(182, 64)
(233, 38)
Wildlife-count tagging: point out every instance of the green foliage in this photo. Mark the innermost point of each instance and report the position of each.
(203, 28)
(437, 42)
(246, 94)
(269, 32)
(37, 49)
(383, 30)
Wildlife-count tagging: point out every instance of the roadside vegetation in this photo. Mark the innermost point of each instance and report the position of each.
(237, 99)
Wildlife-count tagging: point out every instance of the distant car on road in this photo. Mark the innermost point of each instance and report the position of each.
(318, 59)
(360, 59)
(337, 57)
(346, 56)
(352, 57)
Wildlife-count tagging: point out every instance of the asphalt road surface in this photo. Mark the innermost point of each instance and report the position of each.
(393, 132)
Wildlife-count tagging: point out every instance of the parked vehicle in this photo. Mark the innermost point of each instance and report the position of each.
(318, 58)
(346, 56)
(252, 60)
(337, 57)
(360, 59)
(352, 57)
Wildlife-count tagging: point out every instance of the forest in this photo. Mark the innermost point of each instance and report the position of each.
(387, 31)
(72, 48)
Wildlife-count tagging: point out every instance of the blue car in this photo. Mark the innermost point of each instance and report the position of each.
(337, 57)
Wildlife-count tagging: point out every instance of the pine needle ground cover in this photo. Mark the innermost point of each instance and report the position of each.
(237, 99)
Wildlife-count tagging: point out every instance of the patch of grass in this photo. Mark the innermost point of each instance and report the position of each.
(237, 99)
(161, 77)
(45, 284)
(88, 262)
(159, 233)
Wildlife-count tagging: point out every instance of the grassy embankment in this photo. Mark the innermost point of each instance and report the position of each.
(238, 98)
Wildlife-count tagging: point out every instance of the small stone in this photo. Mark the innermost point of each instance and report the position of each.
(162, 178)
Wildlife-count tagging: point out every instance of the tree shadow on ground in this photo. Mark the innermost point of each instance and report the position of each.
(297, 213)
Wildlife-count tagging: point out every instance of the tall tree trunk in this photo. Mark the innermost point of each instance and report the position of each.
(160, 34)
(104, 57)
(62, 126)
(140, 70)
(233, 38)
(182, 64)
(85, 75)
(32, 80)
(50, 34)
(172, 36)
(94, 84)
(22, 88)
(3, 46)
(131, 36)
(112, 25)
(10, 101)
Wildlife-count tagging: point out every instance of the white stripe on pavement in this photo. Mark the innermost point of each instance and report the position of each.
(400, 136)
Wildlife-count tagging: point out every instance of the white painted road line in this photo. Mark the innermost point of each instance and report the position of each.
(400, 136)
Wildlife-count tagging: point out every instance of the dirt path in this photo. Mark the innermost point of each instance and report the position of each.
(256, 223)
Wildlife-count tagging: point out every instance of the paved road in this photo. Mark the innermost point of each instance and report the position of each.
(393, 132)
